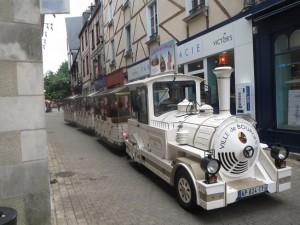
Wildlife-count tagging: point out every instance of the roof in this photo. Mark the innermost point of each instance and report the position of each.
(164, 77)
(71, 97)
(73, 26)
(114, 91)
(87, 95)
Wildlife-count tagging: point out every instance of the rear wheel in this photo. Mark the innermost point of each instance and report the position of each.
(185, 190)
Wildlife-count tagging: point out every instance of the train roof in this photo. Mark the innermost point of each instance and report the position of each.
(87, 95)
(113, 91)
(70, 97)
(164, 77)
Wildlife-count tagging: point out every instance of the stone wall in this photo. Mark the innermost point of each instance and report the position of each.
(24, 177)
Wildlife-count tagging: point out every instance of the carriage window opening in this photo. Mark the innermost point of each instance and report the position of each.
(166, 95)
(142, 102)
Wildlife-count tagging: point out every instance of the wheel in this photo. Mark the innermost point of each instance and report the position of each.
(185, 190)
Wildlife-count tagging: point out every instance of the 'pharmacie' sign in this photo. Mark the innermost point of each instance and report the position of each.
(141, 69)
(214, 42)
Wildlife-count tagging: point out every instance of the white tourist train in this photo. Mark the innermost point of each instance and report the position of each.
(212, 160)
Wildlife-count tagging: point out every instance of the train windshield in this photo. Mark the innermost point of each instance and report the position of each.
(166, 95)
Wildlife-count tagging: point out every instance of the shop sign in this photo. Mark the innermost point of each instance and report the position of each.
(190, 51)
(162, 58)
(214, 42)
(141, 69)
(99, 83)
(218, 40)
(54, 6)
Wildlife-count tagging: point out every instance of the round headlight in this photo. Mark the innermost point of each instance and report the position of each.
(213, 166)
(210, 165)
(279, 152)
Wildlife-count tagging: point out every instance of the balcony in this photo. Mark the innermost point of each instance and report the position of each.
(112, 63)
(110, 23)
(152, 38)
(128, 53)
(197, 10)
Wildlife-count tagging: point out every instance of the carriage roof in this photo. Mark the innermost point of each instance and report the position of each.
(114, 91)
(164, 77)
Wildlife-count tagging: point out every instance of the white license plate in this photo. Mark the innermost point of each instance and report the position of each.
(252, 191)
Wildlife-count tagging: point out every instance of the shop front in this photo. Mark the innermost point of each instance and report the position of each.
(199, 56)
(277, 60)
(115, 79)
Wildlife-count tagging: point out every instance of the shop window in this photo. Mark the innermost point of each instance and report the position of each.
(195, 66)
(287, 80)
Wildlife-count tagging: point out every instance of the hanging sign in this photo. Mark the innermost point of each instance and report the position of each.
(54, 6)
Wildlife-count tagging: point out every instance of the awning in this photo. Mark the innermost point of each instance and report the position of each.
(272, 10)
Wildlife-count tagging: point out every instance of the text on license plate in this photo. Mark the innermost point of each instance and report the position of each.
(252, 191)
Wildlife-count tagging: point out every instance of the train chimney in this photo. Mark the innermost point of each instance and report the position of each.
(223, 74)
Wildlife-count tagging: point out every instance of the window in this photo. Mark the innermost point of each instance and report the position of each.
(139, 104)
(112, 52)
(83, 67)
(86, 38)
(193, 6)
(93, 39)
(128, 39)
(87, 66)
(152, 9)
(167, 95)
(109, 13)
(82, 45)
(287, 80)
(125, 3)
(97, 33)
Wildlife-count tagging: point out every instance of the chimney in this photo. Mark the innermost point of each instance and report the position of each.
(223, 74)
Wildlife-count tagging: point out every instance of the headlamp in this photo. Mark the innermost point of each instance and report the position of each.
(279, 153)
(210, 166)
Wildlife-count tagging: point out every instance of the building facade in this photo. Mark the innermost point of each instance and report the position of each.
(24, 176)
(277, 73)
(143, 38)
(73, 45)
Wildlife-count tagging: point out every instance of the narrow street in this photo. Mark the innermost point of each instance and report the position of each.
(91, 184)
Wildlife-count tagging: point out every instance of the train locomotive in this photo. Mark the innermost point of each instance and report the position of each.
(211, 160)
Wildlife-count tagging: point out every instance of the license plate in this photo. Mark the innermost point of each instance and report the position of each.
(252, 191)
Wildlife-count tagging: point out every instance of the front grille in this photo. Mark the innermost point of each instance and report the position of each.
(232, 165)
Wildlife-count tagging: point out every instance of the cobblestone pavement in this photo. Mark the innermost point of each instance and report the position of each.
(90, 184)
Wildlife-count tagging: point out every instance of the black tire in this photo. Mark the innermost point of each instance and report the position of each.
(185, 190)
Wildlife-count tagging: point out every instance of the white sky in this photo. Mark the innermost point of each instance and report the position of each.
(55, 52)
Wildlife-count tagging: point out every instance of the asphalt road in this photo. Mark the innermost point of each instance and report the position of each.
(91, 184)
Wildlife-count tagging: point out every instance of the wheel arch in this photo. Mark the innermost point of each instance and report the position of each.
(192, 166)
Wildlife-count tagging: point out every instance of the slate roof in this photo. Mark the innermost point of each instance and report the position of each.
(73, 26)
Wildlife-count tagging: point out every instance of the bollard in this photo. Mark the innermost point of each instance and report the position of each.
(8, 216)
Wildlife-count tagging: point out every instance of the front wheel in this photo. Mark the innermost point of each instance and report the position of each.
(185, 190)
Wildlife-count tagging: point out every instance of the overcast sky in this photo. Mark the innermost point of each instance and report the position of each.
(55, 44)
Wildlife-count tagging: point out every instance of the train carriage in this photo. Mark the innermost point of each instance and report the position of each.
(112, 111)
(69, 110)
(85, 111)
(212, 160)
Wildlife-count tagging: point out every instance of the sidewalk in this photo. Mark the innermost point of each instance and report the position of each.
(90, 185)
